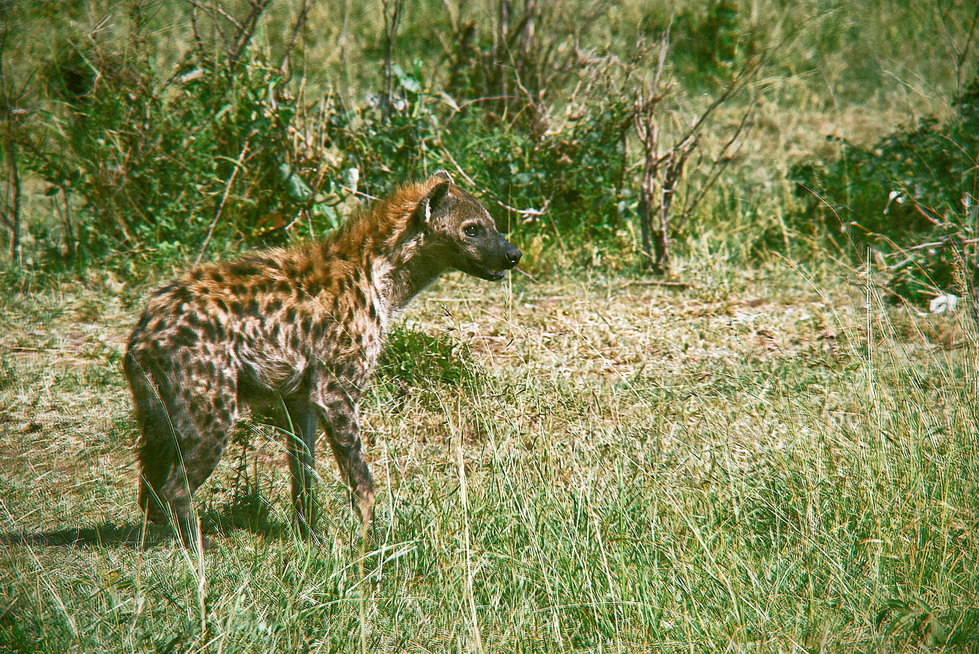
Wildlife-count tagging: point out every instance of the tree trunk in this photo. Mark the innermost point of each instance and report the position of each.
(647, 211)
(11, 201)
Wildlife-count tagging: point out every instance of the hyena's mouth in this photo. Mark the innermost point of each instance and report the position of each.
(494, 269)
(483, 272)
(491, 275)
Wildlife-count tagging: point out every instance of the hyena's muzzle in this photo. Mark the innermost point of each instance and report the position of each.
(496, 256)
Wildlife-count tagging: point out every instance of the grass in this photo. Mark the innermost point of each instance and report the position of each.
(761, 462)
(771, 459)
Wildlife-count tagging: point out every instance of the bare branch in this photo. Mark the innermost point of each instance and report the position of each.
(246, 31)
(297, 30)
(392, 21)
(718, 166)
(224, 198)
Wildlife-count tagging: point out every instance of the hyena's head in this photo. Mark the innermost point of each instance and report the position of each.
(461, 233)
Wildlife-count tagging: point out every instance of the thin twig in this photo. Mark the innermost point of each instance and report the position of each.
(224, 199)
(661, 282)
(246, 31)
(392, 21)
(297, 30)
(216, 8)
(718, 166)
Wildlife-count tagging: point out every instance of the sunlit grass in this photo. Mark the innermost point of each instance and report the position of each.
(611, 467)
(770, 458)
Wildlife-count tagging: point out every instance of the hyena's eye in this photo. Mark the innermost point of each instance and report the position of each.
(472, 230)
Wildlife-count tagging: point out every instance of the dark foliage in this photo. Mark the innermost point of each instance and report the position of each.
(911, 198)
(147, 163)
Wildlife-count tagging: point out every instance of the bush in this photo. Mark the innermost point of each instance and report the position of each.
(911, 198)
(211, 151)
(211, 156)
(165, 165)
(576, 170)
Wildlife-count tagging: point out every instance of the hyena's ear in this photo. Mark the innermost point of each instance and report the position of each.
(442, 175)
(428, 205)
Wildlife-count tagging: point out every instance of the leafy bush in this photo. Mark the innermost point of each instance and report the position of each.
(911, 198)
(165, 165)
(144, 160)
(576, 170)
(209, 156)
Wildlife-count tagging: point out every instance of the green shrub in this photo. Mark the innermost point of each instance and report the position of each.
(576, 171)
(911, 198)
(163, 165)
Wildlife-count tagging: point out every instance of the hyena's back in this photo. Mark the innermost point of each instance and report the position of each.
(250, 326)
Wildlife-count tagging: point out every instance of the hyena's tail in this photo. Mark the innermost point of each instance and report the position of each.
(157, 445)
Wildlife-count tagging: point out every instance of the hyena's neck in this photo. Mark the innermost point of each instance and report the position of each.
(394, 261)
(408, 276)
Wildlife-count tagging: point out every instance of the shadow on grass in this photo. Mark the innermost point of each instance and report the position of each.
(107, 534)
(214, 522)
(246, 510)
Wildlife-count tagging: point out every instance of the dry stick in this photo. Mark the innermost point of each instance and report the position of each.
(11, 203)
(212, 14)
(661, 282)
(224, 199)
(647, 129)
(721, 162)
(675, 162)
(963, 57)
(457, 108)
(245, 33)
(195, 30)
(675, 158)
(647, 191)
(392, 21)
(499, 42)
(960, 56)
(717, 167)
(216, 9)
(297, 30)
(453, 14)
(12, 207)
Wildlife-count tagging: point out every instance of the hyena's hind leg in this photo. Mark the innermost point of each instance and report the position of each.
(183, 437)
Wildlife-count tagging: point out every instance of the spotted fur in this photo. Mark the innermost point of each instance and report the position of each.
(295, 328)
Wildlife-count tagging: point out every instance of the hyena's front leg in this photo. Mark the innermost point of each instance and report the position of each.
(339, 416)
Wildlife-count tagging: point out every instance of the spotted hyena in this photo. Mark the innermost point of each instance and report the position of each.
(297, 328)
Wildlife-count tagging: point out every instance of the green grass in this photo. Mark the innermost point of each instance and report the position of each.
(767, 464)
(771, 459)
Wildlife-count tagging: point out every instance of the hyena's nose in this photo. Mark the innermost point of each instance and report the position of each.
(513, 256)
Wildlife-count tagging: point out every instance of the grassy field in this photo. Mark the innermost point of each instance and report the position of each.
(768, 455)
(763, 461)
